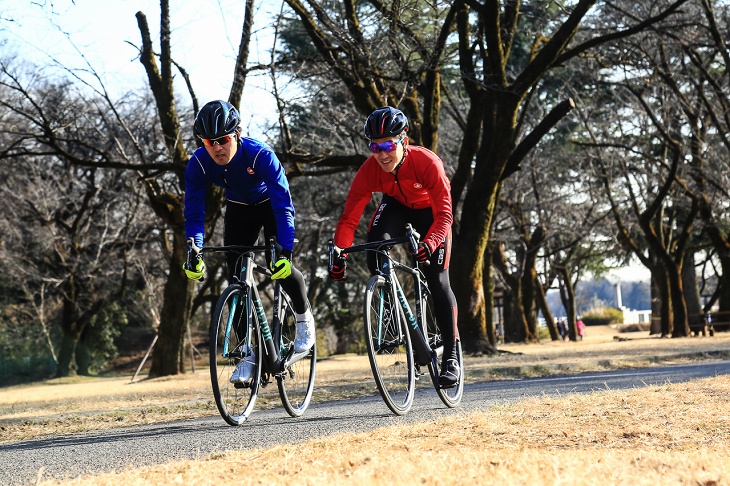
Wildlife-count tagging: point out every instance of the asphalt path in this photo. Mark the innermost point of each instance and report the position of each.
(116, 449)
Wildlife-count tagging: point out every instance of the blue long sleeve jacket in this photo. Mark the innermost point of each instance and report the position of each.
(252, 176)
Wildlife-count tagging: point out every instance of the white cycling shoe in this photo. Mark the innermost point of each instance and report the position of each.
(244, 370)
(306, 334)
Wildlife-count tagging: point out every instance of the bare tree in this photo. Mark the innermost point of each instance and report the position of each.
(68, 230)
(401, 65)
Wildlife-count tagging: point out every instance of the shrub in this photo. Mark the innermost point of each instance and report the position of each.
(603, 316)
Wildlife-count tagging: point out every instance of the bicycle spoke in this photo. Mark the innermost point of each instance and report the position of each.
(450, 396)
(389, 347)
(296, 382)
(229, 345)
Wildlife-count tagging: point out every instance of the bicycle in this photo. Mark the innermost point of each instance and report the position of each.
(239, 330)
(399, 342)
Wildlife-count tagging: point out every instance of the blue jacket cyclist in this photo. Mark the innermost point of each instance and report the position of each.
(257, 196)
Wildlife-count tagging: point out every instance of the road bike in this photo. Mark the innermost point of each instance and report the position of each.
(399, 341)
(240, 330)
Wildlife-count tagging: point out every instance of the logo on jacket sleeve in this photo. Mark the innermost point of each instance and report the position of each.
(417, 185)
(249, 170)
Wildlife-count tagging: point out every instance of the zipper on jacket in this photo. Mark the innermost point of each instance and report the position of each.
(397, 183)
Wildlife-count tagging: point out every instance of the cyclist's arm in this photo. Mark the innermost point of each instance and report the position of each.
(195, 188)
(439, 190)
(277, 185)
(358, 198)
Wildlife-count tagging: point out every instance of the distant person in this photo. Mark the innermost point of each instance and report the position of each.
(257, 196)
(563, 329)
(580, 328)
(415, 190)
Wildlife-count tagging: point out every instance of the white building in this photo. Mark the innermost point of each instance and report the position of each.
(631, 316)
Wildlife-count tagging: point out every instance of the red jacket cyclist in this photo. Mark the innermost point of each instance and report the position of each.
(415, 190)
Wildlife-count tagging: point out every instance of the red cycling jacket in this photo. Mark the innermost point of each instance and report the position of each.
(419, 182)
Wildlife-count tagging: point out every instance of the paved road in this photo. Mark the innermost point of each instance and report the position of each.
(115, 449)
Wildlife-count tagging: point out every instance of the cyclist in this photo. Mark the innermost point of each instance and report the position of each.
(415, 190)
(257, 196)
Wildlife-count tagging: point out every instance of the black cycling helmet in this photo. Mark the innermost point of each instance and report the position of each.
(216, 119)
(385, 122)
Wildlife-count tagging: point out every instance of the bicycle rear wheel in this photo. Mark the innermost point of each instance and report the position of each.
(450, 396)
(234, 336)
(296, 382)
(389, 347)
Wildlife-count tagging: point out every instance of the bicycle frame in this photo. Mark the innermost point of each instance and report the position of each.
(253, 306)
(398, 341)
(246, 352)
(416, 324)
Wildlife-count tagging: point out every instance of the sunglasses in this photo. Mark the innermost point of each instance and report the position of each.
(209, 142)
(387, 146)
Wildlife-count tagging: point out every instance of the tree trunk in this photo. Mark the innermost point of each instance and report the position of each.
(470, 246)
(665, 300)
(542, 304)
(489, 296)
(83, 359)
(515, 325)
(695, 315)
(66, 354)
(721, 320)
(680, 326)
(71, 328)
(567, 296)
(528, 281)
(175, 314)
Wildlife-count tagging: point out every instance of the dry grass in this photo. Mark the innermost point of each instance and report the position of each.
(670, 434)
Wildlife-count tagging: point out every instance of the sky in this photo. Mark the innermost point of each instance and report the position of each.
(632, 273)
(205, 38)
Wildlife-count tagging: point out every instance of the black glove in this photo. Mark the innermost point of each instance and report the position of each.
(424, 252)
(339, 265)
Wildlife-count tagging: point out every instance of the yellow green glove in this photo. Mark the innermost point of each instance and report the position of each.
(194, 265)
(196, 273)
(282, 268)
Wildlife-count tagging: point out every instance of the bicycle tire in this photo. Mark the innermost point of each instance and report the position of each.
(389, 346)
(450, 396)
(229, 327)
(296, 382)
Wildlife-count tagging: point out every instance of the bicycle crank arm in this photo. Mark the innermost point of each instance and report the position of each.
(290, 360)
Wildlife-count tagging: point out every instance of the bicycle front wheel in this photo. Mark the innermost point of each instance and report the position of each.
(450, 396)
(296, 381)
(234, 337)
(389, 347)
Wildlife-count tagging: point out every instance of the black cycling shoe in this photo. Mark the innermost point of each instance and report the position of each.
(449, 374)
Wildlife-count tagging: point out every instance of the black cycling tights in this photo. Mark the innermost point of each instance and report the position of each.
(391, 217)
(243, 223)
